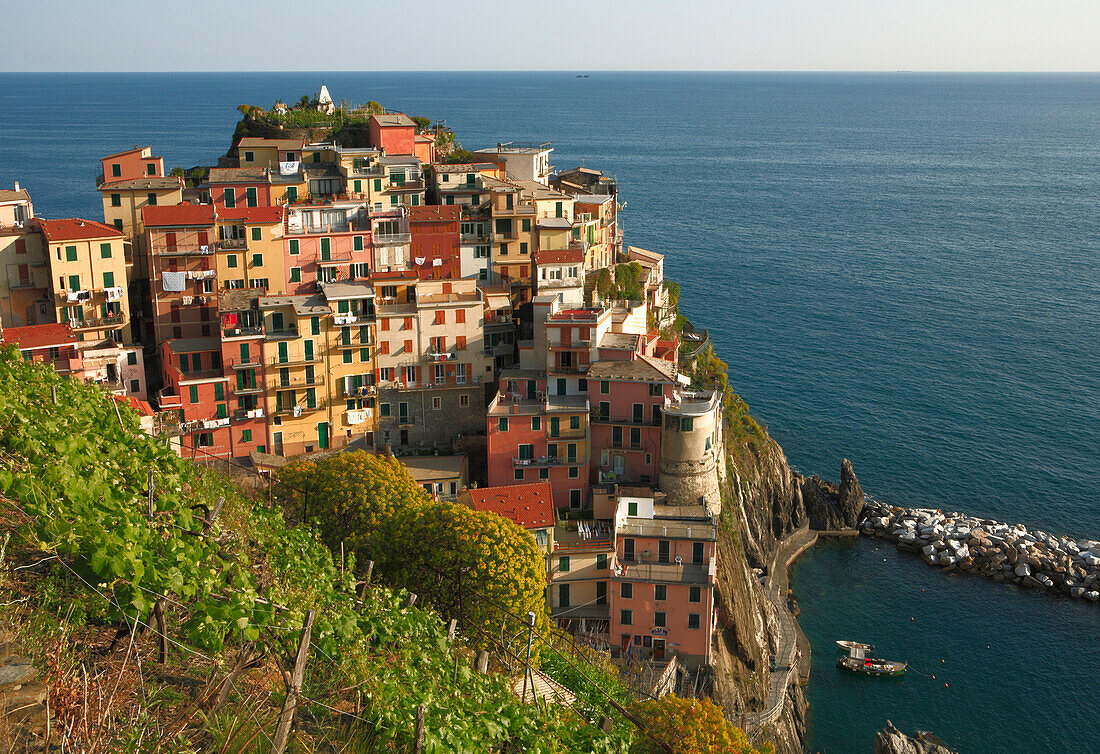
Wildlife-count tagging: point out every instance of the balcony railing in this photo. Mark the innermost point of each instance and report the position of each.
(244, 331)
(278, 383)
(389, 239)
(293, 359)
(245, 414)
(111, 320)
(634, 421)
(183, 250)
(569, 369)
(520, 463)
(285, 333)
(299, 409)
(232, 243)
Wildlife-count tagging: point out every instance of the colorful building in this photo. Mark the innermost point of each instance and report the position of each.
(25, 283)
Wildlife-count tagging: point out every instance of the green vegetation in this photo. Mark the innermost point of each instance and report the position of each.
(690, 726)
(621, 282)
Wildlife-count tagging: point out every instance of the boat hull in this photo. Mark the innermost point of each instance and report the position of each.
(882, 668)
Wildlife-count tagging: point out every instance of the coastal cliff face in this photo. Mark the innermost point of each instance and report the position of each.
(763, 502)
(890, 740)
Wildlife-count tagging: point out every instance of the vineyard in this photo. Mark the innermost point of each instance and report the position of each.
(93, 554)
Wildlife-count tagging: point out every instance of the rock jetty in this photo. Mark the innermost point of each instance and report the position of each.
(1003, 552)
(890, 740)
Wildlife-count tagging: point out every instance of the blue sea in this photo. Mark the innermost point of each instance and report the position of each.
(903, 269)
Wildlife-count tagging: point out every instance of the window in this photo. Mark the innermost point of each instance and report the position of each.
(151, 198)
(574, 472)
(518, 475)
(326, 249)
(135, 386)
(563, 595)
(116, 200)
(693, 620)
(601, 561)
(292, 193)
(687, 423)
(204, 439)
(74, 285)
(574, 498)
(526, 451)
(257, 260)
(464, 401)
(544, 474)
(105, 251)
(357, 243)
(257, 234)
(632, 509)
(315, 325)
(563, 564)
(131, 358)
(626, 590)
(502, 424)
(250, 196)
(383, 409)
(626, 617)
(347, 357)
(605, 387)
(437, 403)
(655, 388)
(574, 422)
(364, 355)
(259, 283)
(295, 274)
(523, 247)
(697, 552)
(118, 223)
(440, 317)
(231, 261)
(108, 280)
(526, 225)
(536, 423)
(193, 393)
(659, 619)
(294, 247)
(229, 197)
(635, 437)
(628, 550)
(660, 592)
(246, 435)
(662, 551)
(116, 170)
(695, 594)
(70, 253)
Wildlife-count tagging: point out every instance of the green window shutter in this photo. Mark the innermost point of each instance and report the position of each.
(450, 199)
(108, 280)
(416, 200)
(231, 261)
(326, 249)
(74, 282)
(219, 391)
(307, 347)
(311, 397)
(131, 358)
(357, 243)
(70, 253)
(284, 354)
(295, 274)
(393, 200)
(526, 224)
(345, 336)
(244, 353)
(116, 200)
(364, 333)
(250, 196)
(364, 354)
(257, 260)
(222, 411)
(357, 186)
(316, 156)
(294, 247)
(342, 307)
(194, 393)
(315, 325)
(522, 247)
(347, 357)
(246, 435)
(230, 198)
(105, 251)
(257, 234)
(377, 184)
(574, 422)
(292, 193)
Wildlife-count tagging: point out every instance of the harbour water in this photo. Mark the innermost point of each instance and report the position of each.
(898, 268)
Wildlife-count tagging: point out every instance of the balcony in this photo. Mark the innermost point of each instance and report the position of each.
(352, 319)
(439, 356)
(232, 243)
(243, 331)
(578, 343)
(569, 369)
(183, 250)
(523, 463)
(416, 184)
(243, 414)
(292, 382)
(251, 388)
(285, 333)
(294, 359)
(569, 434)
(251, 363)
(391, 239)
(634, 421)
(300, 409)
(92, 323)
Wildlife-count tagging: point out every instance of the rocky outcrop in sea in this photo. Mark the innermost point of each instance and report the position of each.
(1003, 552)
(890, 740)
(830, 507)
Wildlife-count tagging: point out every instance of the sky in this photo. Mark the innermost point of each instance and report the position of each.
(431, 35)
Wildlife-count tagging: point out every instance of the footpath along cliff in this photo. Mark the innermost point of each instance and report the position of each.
(769, 514)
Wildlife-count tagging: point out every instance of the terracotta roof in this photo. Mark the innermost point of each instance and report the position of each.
(237, 175)
(150, 182)
(643, 256)
(179, 214)
(465, 167)
(394, 119)
(435, 213)
(424, 138)
(529, 505)
(252, 214)
(39, 336)
(73, 229)
(575, 254)
(641, 369)
(8, 195)
(283, 145)
(142, 407)
(131, 150)
(434, 468)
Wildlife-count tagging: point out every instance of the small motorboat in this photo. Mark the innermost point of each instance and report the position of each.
(849, 647)
(871, 666)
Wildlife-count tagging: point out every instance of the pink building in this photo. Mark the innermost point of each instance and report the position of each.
(239, 187)
(132, 164)
(627, 398)
(533, 436)
(662, 598)
(394, 132)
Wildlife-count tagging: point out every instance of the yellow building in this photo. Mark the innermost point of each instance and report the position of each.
(250, 249)
(351, 361)
(88, 273)
(24, 273)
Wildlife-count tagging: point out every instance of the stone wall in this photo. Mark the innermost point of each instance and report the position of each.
(425, 425)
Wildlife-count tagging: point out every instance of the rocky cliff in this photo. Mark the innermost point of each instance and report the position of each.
(763, 502)
(890, 740)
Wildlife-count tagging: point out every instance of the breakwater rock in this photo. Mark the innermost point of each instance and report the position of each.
(1003, 552)
(829, 506)
(890, 740)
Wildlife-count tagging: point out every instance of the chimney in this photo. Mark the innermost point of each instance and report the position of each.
(17, 185)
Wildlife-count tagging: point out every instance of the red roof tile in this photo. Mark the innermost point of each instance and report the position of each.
(39, 336)
(142, 407)
(252, 214)
(434, 213)
(558, 256)
(75, 229)
(178, 214)
(529, 505)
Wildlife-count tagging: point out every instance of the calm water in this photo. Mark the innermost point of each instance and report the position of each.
(903, 269)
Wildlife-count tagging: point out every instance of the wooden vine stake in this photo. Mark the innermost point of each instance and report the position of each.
(419, 729)
(162, 628)
(294, 688)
